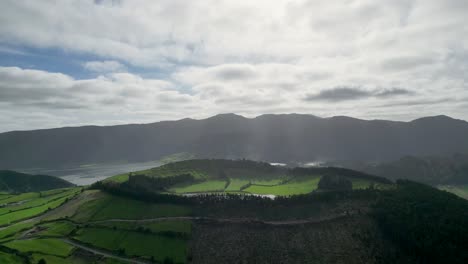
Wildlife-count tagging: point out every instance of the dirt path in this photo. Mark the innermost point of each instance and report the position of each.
(104, 253)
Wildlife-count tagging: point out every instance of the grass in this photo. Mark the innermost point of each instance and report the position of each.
(20, 197)
(10, 231)
(49, 259)
(113, 207)
(459, 190)
(54, 191)
(290, 188)
(135, 243)
(48, 246)
(236, 184)
(177, 226)
(206, 186)
(118, 178)
(208, 169)
(35, 202)
(71, 208)
(31, 212)
(9, 258)
(360, 184)
(59, 229)
(267, 181)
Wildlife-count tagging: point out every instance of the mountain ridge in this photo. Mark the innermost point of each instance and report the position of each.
(276, 138)
(246, 118)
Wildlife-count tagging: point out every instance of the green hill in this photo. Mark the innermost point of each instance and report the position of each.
(16, 182)
(238, 176)
(408, 223)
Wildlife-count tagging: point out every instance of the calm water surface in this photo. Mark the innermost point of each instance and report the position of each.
(88, 174)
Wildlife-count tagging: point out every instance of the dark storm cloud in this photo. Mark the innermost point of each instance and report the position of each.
(393, 92)
(339, 94)
(355, 93)
(420, 102)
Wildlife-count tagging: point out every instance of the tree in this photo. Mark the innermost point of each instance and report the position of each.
(335, 183)
(42, 261)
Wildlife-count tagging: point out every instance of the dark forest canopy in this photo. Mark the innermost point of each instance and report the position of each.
(15, 182)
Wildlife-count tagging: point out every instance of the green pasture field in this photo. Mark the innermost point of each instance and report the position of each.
(113, 207)
(135, 243)
(9, 232)
(118, 178)
(50, 259)
(270, 182)
(290, 188)
(54, 191)
(48, 246)
(9, 258)
(58, 229)
(236, 184)
(20, 197)
(206, 186)
(34, 202)
(34, 211)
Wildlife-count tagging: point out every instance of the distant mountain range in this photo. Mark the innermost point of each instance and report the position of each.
(430, 170)
(273, 138)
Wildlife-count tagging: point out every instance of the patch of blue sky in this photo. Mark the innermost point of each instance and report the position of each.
(66, 62)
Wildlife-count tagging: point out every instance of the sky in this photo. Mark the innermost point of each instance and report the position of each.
(106, 62)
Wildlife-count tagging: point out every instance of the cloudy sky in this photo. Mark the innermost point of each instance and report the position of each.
(68, 63)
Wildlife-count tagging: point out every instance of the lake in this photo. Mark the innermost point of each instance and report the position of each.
(88, 174)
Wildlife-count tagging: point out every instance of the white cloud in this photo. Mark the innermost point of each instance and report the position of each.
(249, 57)
(104, 66)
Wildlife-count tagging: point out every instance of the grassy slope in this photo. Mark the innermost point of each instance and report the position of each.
(51, 202)
(46, 242)
(265, 179)
(290, 188)
(460, 190)
(178, 226)
(49, 246)
(135, 243)
(206, 186)
(9, 258)
(113, 207)
(12, 181)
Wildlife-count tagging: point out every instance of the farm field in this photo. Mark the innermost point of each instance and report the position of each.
(113, 207)
(289, 188)
(236, 184)
(241, 177)
(160, 241)
(33, 207)
(206, 186)
(9, 258)
(35, 202)
(132, 243)
(56, 229)
(48, 246)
